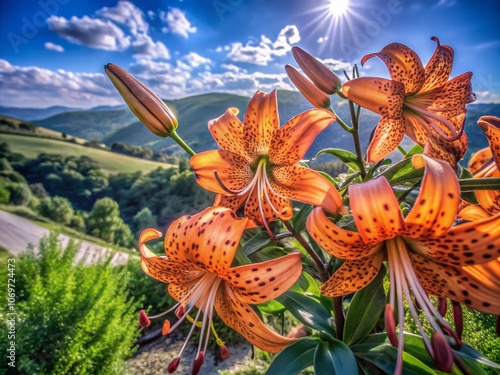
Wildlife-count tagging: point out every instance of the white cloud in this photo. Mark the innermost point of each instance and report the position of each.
(336, 65)
(144, 47)
(446, 3)
(126, 13)
(322, 39)
(486, 45)
(266, 50)
(24, 86)
(177, 22)
(53, 47)
(90, 32)
(195, 60)
(487, 97)
(233, 68)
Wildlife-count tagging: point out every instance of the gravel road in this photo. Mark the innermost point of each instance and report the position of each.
(17, 233)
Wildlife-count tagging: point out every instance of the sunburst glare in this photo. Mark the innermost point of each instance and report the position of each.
(337, 8)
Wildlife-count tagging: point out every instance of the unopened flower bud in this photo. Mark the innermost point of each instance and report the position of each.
(143, 319)
(172, 366)
(223, 353)
(314, 95)
(145, 104)
(198, 361)
(166, 327)
(390, 325)
(443, 356)
(326, 80)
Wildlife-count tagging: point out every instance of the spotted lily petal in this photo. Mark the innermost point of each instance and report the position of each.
(306, 185)
(232, 169)
(438, 69)
(375, 210)
(267, 206)
(293, 139)
(262, 282)
(260, 123)
(436, 206)
(208, 239)
(472, 287)
(338, 242)
(388, 135)
(227, 131)
(473, 213)
(379, 95)
(467, 244)
(491, 128)
(404, 66)
(161, 268)
(478, 159)
(353, 275)
(240, 317)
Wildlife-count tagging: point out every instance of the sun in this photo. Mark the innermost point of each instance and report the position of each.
(338, 8)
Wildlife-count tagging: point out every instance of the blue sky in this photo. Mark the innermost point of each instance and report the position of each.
(52, 52)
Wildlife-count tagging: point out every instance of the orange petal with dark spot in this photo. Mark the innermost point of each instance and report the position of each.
(240, 317)
(227, 131)
(261, 282)
(388, 135)
(353, 275)
(491, 128)
(438, 69)
(375, 210)
(436, 206)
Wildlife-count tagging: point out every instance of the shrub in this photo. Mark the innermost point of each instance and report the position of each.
(73, 318)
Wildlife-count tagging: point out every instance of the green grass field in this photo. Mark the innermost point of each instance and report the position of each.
(109, 162)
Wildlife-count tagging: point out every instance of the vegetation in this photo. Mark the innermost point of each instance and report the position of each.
(79, 318)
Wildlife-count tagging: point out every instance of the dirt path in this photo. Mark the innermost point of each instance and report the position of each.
(17, 233)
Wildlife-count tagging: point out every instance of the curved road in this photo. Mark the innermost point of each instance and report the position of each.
(16, 233)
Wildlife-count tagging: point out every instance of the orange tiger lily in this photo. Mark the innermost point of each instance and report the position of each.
(199, 252)
(486, 163)
(257, 164)
(419, 102)
(425, 254)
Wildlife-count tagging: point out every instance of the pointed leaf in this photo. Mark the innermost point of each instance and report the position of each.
(469, 352)
(308, 311)
(294, 358)
(364, 312)
(255, 243)
(345, 156)
(332, 358)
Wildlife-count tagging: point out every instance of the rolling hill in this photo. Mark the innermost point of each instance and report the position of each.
(32, 114)
(118, 124)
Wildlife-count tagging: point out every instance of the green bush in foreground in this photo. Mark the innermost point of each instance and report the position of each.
(72, 318)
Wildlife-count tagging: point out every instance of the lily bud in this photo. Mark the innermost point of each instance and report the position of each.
(443, 356)
(143, 319)
(145, 104)
(173, 365)
(223, 353)
(442, 306)
(314, 95)
(326, 80)
(198, 361)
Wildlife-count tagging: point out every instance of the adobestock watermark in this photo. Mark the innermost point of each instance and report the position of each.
(222, 7)
(363, 35)
(30, 26)
(11, 312)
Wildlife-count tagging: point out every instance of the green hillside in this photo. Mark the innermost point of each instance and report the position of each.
(194, 112)
(110, 162)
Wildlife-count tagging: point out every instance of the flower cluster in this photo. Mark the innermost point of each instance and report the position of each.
(414, 217)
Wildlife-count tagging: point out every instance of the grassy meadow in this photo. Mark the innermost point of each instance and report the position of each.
(109, 162)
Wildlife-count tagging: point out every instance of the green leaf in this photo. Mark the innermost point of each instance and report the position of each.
(417, 149)
(469, 352)
(294, 358)
(313, 287)
(468, 184)
(256, 243)
(308, 311)
(345, 156)
(271, 307)
(299, 219)
(384, 356)
(469, 196)
(332, 358)
(364, 312)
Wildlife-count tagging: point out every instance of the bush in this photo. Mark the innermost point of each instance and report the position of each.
(20, 194)
(73, 318)
(56, 208)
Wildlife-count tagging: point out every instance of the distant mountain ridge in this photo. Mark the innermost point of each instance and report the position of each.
(32, 114)
(118, 124)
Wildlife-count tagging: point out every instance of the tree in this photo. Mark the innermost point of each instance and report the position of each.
(142, 220)
(104, 221)
(57, 208)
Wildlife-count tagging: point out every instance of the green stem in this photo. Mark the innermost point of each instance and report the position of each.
(339, 316)
(355, 137)
(181, 143)
(344, 126)
(468, 184)
(320, 266)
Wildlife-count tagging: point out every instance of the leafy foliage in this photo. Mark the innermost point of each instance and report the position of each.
(73, 318)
